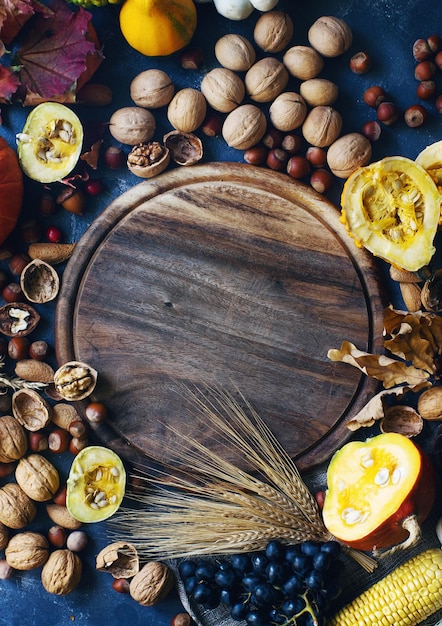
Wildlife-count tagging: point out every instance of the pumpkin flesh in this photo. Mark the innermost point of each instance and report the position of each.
(11, 189)
(158, 27)
(373, 487)
(392, 208)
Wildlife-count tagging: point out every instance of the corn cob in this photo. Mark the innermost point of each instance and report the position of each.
(405, 597)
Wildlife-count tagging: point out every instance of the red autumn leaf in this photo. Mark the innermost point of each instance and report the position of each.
(9, 83)
(13, 15)
(56, 54)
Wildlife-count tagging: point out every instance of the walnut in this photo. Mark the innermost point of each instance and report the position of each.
(37, 477)
(266, 79)
(30, 409)
(288, 111)
(27, 550)
(273, 31)
(429, 404)
(132, 125)
(322, 126)
(330, 36)
(235, 52)
(152, 89)
(347, 153)
(152, 583)
(187, 110)
(303, 62)
(17, 509)
(119, 559)
(62, 572)
(4, 536)
(319, 91)
(13, 440)
(244, 127)
(148, 159)
(75, 380)
(223, 89)
(39, 282)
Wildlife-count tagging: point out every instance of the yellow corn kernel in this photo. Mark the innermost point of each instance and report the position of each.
(415, 586)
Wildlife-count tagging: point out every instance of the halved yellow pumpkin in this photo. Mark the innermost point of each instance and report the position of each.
(392, 208)
(50, 143)
(96, 484)
(431, 160)
(379, 491)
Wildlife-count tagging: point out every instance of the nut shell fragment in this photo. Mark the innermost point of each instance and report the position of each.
(152, 583)
(27, 550)
(39, 282)
(75, 380)
(18, 319)
(431, 295)
(62, 572)
(185, 148)
(401, 419)
(30, 409)
(119, 559)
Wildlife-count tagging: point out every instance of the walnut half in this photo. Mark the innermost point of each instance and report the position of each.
(146, 160)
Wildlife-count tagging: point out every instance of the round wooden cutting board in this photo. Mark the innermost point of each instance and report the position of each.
(224, 276)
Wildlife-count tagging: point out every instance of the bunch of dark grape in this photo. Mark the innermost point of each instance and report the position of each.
(280, 586)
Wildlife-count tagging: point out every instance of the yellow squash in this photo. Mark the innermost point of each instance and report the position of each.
(158, 27)
(392, 208)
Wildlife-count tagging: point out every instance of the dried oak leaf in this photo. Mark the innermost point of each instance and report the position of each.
(91, 157)
(58, 56)
(389, 371)
(374, 409)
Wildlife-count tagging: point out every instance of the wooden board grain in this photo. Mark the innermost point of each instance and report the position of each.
(228, 276)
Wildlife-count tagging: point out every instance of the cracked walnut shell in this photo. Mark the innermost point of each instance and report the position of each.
(38, 478)
(13, 440)
(30, 409)
(17, 509)
(119, 559)
(152, 583)
(39, 282)
(75, 380)
(27, 550)
(148, 159)
(62, 572)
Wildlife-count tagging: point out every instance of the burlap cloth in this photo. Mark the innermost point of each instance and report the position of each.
(355, 579)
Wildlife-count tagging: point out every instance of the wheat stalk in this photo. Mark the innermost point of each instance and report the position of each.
(210, 506)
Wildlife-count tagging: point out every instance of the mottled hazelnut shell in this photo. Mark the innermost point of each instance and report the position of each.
(13, 440)
(303, 62)
(347, 153)
(223, 89)
(37, 477)
(62, 572)
(244, 127)
(152, 89)
(235, 52)
(152, 583)
(27, 550)
(266, 79)
(322, 126)
(288, 111)
(17, 510)
(273, 31)
(330, 36)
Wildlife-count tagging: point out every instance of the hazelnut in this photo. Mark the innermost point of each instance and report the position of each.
(96, 413)
(132, 125)
(273, 31)
(18, 348)
(360, 63)
(321, 180)
(303, 62)
(426, 89)
(256, 155)
(322, 126)
(348, 153)
(387, 113)
(372, 130)
(37, 477)
(185, 148)
(192, 58)
(277, 159)
(266, 79)
(148, 159)
(72, 200)
(187, 110)
(152, 89)
(319, 92)
(330, 36)
(244, 127)
(288, 111)
(374, 95)
(235, 52)
(415, 116)
(62, 572)
(223, 89)
(152, 583)
(39, 350)
(298, 167)
(27, 550)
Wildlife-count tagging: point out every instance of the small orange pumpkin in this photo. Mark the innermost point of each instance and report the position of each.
(158, 27)
(11, 189)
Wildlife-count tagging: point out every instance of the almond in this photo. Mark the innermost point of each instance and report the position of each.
(403, 276)
(411, 295)
(52, 253)
(61, 516)
(34, 371)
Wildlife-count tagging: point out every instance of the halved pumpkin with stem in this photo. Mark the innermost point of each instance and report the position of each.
(392, 208)
(379, 492)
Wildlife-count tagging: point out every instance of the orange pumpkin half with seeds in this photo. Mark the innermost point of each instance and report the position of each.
(11, 189)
